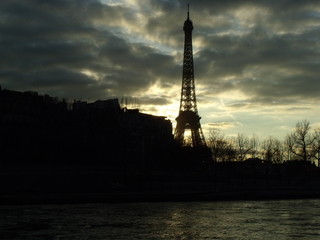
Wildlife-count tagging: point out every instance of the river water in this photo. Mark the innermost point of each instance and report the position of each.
(281, 219)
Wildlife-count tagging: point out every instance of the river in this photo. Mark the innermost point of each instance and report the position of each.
(276, 219)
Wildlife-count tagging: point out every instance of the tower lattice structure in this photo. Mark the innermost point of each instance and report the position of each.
(188, 117)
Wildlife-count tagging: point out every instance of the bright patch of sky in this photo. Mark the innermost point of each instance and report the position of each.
(113, 2)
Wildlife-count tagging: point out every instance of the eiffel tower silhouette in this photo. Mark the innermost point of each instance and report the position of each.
(188, 117)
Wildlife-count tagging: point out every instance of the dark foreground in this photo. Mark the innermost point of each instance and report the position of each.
(70, 198)
(93, 184)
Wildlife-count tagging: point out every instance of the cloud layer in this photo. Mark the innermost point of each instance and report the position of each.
(255, 61)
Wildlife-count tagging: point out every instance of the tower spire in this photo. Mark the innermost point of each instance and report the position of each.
(188, 112)
(188, 11)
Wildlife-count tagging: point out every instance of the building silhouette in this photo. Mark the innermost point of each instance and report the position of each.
(188, 117)
(36, 129)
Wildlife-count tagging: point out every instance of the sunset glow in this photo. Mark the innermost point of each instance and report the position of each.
(256, 62)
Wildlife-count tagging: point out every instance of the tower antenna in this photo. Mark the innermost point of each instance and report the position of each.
(188, 10)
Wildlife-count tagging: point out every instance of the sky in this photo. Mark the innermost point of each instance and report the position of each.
(256, 62)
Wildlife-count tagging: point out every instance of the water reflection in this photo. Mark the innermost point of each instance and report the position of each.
(294, 219)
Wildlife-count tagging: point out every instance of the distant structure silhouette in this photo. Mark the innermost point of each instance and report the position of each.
(188, 113)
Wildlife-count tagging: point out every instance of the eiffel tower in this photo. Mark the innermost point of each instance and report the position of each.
(188, 113)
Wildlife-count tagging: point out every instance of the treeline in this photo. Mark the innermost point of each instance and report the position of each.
(302, 144)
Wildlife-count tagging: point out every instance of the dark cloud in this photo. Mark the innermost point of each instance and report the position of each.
(263, 65)
(268, 50)
(58, 45)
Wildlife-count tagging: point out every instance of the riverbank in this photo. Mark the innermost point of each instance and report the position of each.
(161, 196)
(92, 184)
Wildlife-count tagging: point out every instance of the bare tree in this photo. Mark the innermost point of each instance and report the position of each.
(300, 141)
(267, 146)
(273, 150)
(230, 152)
(288, 145)
(221, 148)
(242, 145)
(316, 145)
(215, 142)
(254, 146)
(278, 151)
